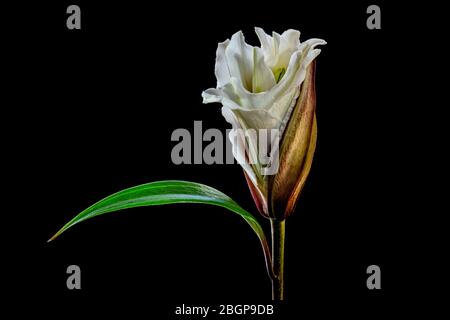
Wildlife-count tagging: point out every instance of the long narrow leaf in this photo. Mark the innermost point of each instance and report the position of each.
(169, 192)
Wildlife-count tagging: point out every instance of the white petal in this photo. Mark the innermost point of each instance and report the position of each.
(263, 78)
(267, 47)
(221, 68)
(283, 106)
(264, 39)
(258, 119)
(290, 40)
(240, 59)
(217, 95)
(313, 42)
(289, 43)
(212, 95)
(238, 142)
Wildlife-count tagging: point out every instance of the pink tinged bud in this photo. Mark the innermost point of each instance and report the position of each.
(276, 195)
(297, 148)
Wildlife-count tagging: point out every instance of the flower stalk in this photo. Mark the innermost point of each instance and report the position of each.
(278, 229)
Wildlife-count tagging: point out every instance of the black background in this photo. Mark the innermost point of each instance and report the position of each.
(101, 104)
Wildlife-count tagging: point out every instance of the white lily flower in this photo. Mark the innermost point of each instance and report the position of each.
(258, 88)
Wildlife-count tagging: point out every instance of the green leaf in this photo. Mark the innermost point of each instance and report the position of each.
(169, 192)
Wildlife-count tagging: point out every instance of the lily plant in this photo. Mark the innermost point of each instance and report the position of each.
(271, 87)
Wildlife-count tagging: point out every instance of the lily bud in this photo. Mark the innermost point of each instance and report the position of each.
(270, 87)
(296, 151)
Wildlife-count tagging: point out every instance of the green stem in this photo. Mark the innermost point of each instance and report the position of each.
(278, 238)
